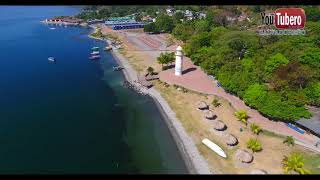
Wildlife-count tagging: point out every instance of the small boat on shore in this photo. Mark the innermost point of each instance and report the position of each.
(214, 147)
(51, 59)
(117, 68)
(94, 57)
(108, 48)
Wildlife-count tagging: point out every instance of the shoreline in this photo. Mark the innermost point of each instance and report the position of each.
(193, 160)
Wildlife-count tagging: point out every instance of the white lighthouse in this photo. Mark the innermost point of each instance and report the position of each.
(179, 59)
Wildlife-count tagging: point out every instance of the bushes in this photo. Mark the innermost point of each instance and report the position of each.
(254, 145)
(274, 62)
(313, 93)
(272, 104)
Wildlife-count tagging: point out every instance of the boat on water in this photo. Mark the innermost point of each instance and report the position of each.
(214, 147)
(51, 59)
(95, 48)
(94, 57)
(52, 28)
(95, 53)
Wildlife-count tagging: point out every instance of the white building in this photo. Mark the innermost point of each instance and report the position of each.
(179, 61)
(170, 11)
(188, 14)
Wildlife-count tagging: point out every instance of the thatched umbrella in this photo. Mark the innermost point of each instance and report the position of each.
(230, 139)
(219, 125)
(201, 105)
(258, 171)
(244, 156)
(209, 114)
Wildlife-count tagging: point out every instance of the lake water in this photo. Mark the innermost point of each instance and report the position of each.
(73, 116)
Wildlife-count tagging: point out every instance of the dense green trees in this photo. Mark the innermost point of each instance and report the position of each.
(277, 75)
(183, 31)
(164, 23)
(151, 28)
(274, 62)
(311, 57)
(313, 93)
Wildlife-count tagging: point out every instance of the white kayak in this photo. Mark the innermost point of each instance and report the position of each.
(214, 147)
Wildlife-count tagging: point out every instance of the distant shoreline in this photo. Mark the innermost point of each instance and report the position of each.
(194, 162)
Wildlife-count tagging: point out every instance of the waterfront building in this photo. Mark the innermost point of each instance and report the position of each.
(127, 26)
(120, 20)
(63, 20)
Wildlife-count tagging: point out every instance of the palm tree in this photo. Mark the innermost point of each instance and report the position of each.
(216, 103)
(294, 163)
(254, 145)
(289, 141)
(166, 58)
(150, 70)
(242, 116)
(161, 59)
(255, 128)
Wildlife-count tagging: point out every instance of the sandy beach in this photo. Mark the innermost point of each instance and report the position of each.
(195, 163)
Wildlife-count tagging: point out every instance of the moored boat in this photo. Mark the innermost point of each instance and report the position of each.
(51, 59)
(95, 53)
(94, 57)
(95, 49)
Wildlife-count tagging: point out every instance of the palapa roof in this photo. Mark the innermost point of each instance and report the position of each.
(230, 139)
(244, 156)
(209, 114)
(258, 171)
(218, 125)
(202, 105)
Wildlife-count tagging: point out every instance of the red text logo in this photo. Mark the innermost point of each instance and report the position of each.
(289, 18)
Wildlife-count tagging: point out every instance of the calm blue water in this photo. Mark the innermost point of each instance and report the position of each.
(73, 116)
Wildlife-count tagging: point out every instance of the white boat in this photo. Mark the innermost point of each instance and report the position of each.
(51, 59)
(95, 53)
(214, 147)
(52, 28)
(94, 57)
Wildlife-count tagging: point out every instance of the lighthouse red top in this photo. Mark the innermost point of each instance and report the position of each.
(290, 18)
